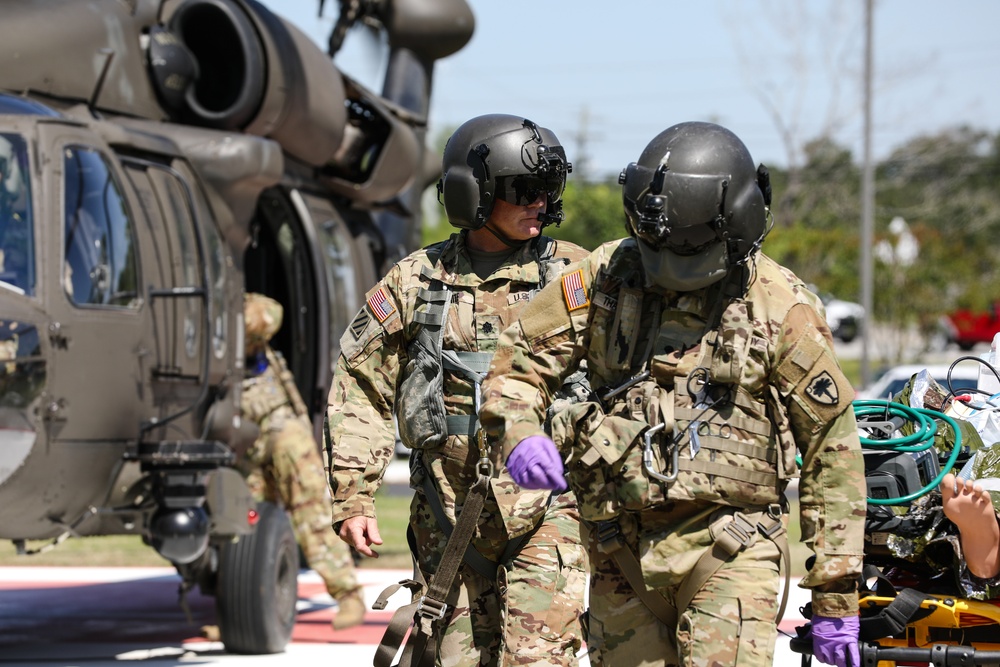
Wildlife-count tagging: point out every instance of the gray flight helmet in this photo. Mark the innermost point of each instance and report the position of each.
(499, 156)
(696, 204)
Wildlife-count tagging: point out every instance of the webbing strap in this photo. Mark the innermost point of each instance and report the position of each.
(431, 607)
(892, 619)
(738, 534)
(432, 316)
(610, 542)
(478, 562)
(476, 362)
(728, 471)
(472, 365)
(466, 425)
(421, 647)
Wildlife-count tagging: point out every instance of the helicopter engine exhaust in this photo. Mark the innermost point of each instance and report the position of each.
(258, 74)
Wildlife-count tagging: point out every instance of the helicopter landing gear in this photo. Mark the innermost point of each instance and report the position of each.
(258, 586)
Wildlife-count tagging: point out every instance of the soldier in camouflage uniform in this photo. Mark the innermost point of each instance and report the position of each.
(284, 463)
(712, 367)
(418, 350)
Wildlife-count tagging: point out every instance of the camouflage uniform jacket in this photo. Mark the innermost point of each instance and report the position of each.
(787, 377)
(376, 361)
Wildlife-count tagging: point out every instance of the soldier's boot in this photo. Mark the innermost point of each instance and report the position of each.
(350, 610)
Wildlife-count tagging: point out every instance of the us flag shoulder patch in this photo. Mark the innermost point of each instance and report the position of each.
(380, 305)
(576, 295)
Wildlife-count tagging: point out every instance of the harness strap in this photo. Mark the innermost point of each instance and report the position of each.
(610, 542)
(471, 365)
(431, 607)
(736, 535)
(401, 621)
(478, 562)
(466, 425)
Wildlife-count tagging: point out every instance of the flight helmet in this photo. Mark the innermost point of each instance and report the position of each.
(696, 205)
(498, 156)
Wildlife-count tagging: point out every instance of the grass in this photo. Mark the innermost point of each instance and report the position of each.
(130, 551)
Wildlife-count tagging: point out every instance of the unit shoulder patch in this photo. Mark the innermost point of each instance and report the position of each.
(822, 388)
(574, 291)
(360, 323)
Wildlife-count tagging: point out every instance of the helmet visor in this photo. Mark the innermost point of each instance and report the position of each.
(526, 189)
(673, 209)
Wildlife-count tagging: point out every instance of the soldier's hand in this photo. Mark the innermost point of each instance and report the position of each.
(535, 464)
(361, 532)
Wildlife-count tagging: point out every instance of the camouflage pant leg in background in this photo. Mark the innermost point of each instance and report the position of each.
(290, 470)
(730, 621)
(530, 614)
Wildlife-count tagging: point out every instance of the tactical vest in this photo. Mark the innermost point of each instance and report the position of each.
(422, 419)
(690, 424)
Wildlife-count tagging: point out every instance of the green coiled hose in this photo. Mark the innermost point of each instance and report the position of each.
(921, 439)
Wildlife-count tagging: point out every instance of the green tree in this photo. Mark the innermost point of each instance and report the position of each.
(594, 214)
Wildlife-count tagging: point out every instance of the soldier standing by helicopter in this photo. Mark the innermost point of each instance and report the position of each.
(284, 463)
(418, 350)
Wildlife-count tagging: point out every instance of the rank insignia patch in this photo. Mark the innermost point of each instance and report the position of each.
(380, 305)
(823, 389)
(576, 295)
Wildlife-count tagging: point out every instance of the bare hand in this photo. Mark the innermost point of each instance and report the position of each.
(361, 532)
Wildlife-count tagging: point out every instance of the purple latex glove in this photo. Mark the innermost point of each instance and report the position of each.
(835, 640)
(535, 464)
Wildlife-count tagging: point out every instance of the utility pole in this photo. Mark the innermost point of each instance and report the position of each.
(867, 206)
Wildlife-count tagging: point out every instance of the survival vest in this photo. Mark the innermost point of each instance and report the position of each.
(423, 422)
(690, 419)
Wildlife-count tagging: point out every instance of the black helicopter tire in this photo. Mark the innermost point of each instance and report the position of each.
(258, 586)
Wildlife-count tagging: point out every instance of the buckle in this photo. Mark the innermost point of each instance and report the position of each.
(740, 529)
(608, 536)
(431, 608)
(773, 512)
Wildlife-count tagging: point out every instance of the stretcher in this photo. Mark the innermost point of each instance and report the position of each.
(910, 614)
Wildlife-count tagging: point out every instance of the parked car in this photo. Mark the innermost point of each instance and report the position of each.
(966, 327)
(892, 381)
(844, 317)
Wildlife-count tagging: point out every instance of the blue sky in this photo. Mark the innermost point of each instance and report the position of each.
(608, 76)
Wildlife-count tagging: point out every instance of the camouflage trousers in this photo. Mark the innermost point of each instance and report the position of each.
(284, 465)
(529, 614)
(730, 621)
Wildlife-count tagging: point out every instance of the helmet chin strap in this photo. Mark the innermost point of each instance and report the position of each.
(506, 240)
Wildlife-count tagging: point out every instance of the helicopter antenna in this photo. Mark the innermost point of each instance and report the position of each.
(109, 55)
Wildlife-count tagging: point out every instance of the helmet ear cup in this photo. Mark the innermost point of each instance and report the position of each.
(461, 194)
(747, 215)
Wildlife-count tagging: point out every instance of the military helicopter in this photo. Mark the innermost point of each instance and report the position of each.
(158, 159)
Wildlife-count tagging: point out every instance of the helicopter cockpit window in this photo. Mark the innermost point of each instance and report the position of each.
(17, 235)
(100, 266)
